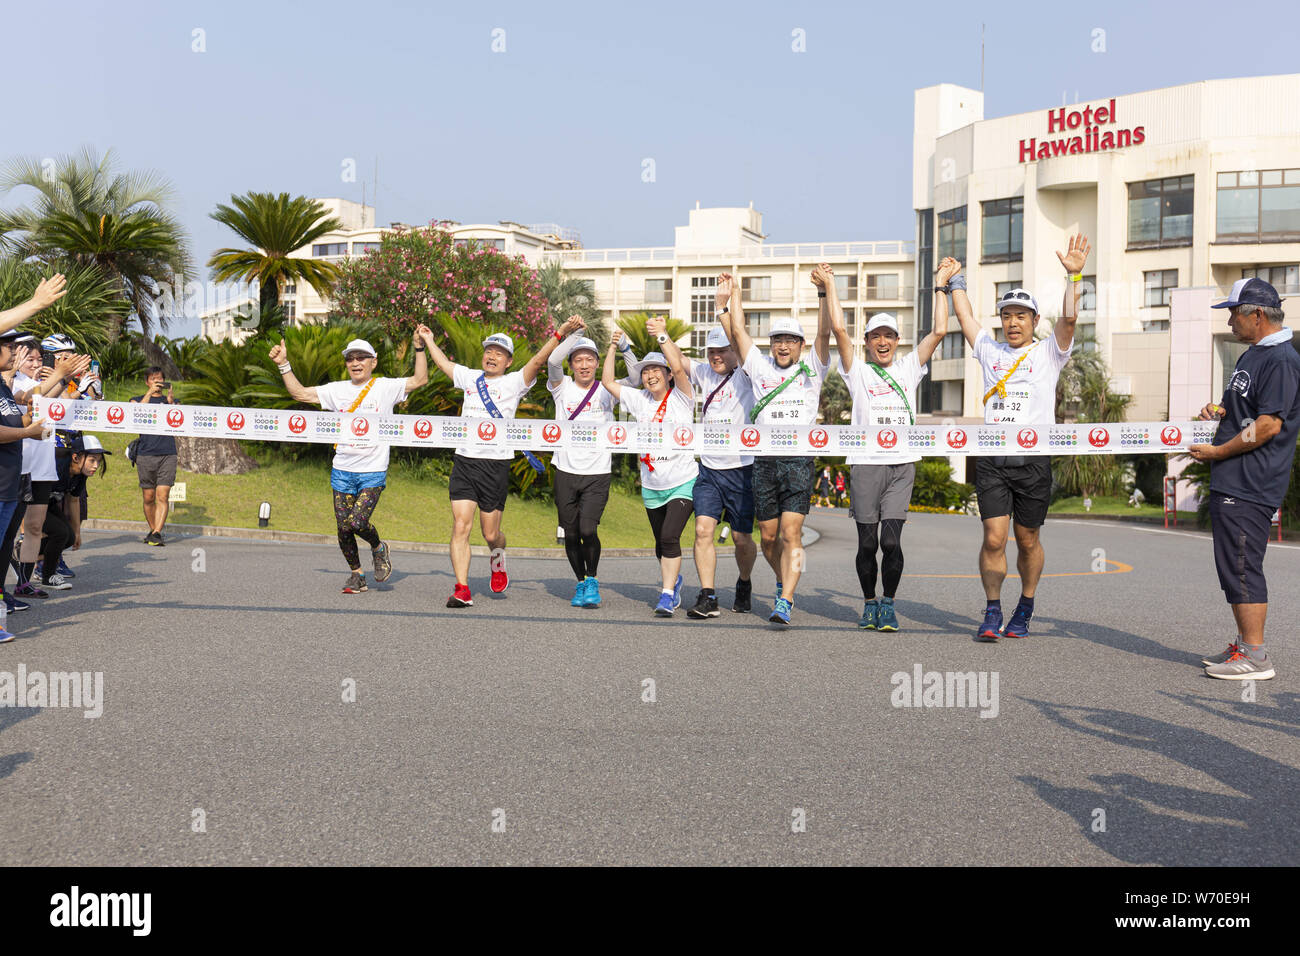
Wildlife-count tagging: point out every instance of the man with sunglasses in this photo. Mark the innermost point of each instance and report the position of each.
(1020, 378)
(883, 389)
(1250, 467)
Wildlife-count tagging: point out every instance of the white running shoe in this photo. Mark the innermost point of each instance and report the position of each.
(57, 582)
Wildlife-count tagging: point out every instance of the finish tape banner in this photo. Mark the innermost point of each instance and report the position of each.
(539, 434)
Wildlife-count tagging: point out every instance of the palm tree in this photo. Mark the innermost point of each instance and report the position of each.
(566, 296)
(1084, 385)
(274, 226)
(88, 212)
(88, 312)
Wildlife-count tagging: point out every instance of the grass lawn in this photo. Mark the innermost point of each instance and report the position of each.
(1115, 506)
(412, 508)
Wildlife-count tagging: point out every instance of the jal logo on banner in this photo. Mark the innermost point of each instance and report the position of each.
(360, 427)
(551, 434)
(297, 424)
(115, 414)
(487, 431)
(1027, 438)
(175, 417)
(818, 438)
(683, 436)
(235, 421)
(886, 438)
(750, 437)
(423, 428)
(56, 411)
(1171, 435)
(617, 435)
(956, 438)
(1098, 438)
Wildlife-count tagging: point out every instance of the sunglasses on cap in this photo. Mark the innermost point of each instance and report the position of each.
(1018, 295)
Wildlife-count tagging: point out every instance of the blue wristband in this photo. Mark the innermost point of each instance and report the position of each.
(957, 282)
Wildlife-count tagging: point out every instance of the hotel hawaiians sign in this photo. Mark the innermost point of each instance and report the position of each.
(1080, 131)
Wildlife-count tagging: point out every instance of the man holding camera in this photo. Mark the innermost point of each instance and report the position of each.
(155, 460)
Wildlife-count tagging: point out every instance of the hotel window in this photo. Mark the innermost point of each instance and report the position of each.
(846, 287)
(361, 248)
(952, 233)
(848, 320)
(1258, 206)
(290, 288)
(1088, 294)
(329, 249)
(698, 337)
(886, 286)
(756, 288)
(999, 290)
(1002, 230)
(758, 324)
(290, 309)
(702, 299)
(1286, 279)
(951, 346)
(659, 290)
(1158, 285)
(1160, 213)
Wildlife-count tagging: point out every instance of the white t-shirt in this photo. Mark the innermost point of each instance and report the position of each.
(730, 406)
(383, 395)
(1031, 390)
(670, 470)
(38, 456)
(877, 403)
(797, 404)
(568, 395)
(505, 390)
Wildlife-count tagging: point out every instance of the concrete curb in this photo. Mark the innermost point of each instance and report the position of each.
(1188, 525)
(810, 537)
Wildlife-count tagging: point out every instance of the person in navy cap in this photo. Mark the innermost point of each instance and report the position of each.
(1250, 467)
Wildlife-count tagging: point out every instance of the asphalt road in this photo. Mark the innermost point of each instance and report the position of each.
(223, 692)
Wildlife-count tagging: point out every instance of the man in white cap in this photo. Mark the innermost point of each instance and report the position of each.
(360, 472)
(582, 476)
(480, 478)
(883, 389)
(787, 390)
(1020, 378)
(724, 488)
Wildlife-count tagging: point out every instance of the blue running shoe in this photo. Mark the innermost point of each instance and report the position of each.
(64, 570)
(781, 612)
(592, 597)
(12, 604)
(868, 620)
(886, 619)
(5, 636)
(579, 595)
(1018, 626)
(677, 593)
(665, 606)
(991, 629)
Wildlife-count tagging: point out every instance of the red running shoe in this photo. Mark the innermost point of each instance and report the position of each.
(460, 597)
(500, 580)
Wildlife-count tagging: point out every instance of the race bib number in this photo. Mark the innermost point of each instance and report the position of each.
(1013, 408)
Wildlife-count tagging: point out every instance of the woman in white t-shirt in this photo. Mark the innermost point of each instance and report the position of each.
(667, 481)
(360, 471)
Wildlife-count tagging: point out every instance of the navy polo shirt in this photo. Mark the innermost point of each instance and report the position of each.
(1266, 381)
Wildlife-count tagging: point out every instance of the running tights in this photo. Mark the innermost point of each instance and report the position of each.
(583, 550)
(59, 536)
(352, 515)
(890, 541)
(668, 522)
(7, 548)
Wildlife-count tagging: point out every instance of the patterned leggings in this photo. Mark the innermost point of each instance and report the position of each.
(352, 515)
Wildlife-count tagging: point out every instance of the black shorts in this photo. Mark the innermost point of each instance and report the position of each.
(782, 484)
(580, 500)
(484, 481)
(1022, 491)
(41, 492)
(1240, 530)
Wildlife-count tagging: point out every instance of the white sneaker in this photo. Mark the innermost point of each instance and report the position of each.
(57, 582)
(1239, 666)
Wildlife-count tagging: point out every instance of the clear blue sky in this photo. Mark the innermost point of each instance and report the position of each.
(556, 127)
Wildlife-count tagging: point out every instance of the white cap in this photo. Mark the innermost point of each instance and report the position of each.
(584, 343)
(500, 340)
(717, 339)
(785, 326)
(651, 358)
(882, 320)
(1017, 297)
(359, 345)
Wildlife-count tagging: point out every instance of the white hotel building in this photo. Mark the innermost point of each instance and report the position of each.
(1181, 191)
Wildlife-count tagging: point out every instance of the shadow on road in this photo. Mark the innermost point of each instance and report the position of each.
(1148, 821)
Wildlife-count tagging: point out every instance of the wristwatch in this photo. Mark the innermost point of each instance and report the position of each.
(724, 310)
(821, 295)
(661, 338)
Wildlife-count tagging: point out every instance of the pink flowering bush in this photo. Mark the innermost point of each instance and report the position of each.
(414, 276)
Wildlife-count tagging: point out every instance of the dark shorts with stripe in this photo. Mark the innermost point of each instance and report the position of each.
(580, 501)
(782, 484)
(726, 493)
(484, 481)
(1023, 491)
(1241, 530)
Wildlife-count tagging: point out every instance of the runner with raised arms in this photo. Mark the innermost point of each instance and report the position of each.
(480, 478)
(360, 472)
(1020, 378)
(582, 476)
(883, 388)
(667, 480)
(787, 390)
